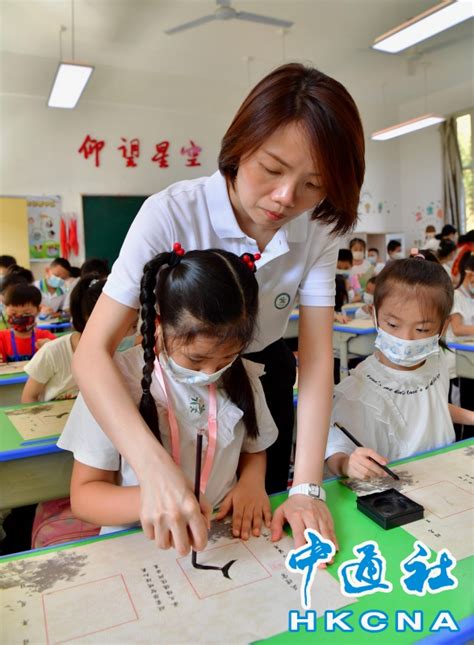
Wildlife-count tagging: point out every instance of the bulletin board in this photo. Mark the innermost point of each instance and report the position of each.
(107, 219)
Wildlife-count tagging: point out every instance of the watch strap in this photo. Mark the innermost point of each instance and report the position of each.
(311, 490)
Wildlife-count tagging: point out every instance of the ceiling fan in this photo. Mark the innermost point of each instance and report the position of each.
(225, 12)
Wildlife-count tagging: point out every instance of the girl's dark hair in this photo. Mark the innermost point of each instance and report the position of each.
(211, 293)
(345, 255)
(341, 292)
(7, 261)
(357, 240)
(61, 262)
(448, 229)
(446, 247)
(96, 266)
(466, 265)
(83, 300)
(22, 293)
(25, 274)
(427, 281)
(294, 93)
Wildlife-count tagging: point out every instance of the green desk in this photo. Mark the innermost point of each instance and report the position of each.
(31, 471)
(56, 583)
(11, 383)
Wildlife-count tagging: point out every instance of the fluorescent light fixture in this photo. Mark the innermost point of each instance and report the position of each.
(70, 81)
(407, 126)
(427, 24)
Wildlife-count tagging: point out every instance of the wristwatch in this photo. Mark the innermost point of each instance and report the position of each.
(311, 490)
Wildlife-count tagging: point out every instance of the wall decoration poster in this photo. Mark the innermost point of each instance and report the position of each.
(44, 216)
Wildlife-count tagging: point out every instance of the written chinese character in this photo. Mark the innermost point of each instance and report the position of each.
(305, 559)
(365, 574)
(130, 151)
(421, 577)
(90, 147)
(161, 155)
(192, 152)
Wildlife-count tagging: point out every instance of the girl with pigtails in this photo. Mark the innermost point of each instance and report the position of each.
(199, 311)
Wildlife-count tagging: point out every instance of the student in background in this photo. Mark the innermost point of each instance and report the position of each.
(95, 266)
(462, 328)
(21, 341)
(5, 262)
(394, 250)
(14, 275)
(49, 371)
(361, 268)
(199, 311)
(396, 401)
(448, 232)
(446, 253)
(373, 256)
(430, 242)
(465, 248)
(53, 286)
(366, 312)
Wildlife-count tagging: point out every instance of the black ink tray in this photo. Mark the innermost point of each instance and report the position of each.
(390, 508)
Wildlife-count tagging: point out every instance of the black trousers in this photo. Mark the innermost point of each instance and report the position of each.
(277, 383)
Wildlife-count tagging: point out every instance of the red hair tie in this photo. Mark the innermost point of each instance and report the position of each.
(249, 259)
(176, 255)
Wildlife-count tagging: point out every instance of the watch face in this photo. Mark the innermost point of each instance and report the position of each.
(314, 490)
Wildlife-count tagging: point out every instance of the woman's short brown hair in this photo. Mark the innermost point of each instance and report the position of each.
(326, 110)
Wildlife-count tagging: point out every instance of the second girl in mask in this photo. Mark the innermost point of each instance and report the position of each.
(396, 401)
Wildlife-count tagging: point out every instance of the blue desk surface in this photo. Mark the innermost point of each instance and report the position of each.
(13, 379)
(54, 326)
(14, 446)
(360, 331)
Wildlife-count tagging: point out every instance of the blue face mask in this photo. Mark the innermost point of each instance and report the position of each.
(55, 282)
(406, 353)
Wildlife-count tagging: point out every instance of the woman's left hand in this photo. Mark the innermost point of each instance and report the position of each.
(301, 512)
(249, 507)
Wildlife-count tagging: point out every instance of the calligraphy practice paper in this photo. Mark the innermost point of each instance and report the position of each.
(38, 421)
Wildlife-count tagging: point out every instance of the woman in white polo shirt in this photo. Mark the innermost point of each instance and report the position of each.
(290, 171)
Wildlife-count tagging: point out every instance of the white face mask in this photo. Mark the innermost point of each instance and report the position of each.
(407, 353)
(398, 256)
(358, 255)
(372, 259)
(368, 298)
(187, 376)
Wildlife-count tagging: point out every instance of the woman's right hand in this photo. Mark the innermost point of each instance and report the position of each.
(170, 514)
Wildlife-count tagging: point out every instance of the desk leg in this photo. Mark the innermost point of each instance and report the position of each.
(343, 360)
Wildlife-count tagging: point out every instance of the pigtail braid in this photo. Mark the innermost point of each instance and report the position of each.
(148, 313)
(237, 385)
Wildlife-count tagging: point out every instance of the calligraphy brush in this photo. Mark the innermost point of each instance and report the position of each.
(359, 445)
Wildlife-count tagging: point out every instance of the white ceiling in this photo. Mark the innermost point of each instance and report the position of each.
(137, 63)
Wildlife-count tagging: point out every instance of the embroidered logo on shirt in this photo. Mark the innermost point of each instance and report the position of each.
(197, 405)
(282, 300)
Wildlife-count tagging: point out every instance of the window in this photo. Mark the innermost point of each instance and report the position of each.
(464, 128)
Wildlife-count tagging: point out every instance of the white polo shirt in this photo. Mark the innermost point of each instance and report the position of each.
(298, 262)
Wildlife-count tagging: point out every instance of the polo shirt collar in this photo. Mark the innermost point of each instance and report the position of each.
(221, 213)
(225, 223)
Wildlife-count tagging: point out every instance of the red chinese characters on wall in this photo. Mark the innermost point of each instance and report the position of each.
(192, 152)
(161, 155)
(91, 147)
(131, 149)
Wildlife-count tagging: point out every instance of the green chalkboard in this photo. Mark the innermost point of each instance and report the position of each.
(107, 219)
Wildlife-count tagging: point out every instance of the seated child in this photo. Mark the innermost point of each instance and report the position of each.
(462, 313)
(199, 311)
(365, 312)
(396, 401)
(21, 341)
(53, 286)
(49, 371)
(373, 256)
(361, 268)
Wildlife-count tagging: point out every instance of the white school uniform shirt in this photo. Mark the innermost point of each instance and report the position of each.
(464, 306)
(52, 365)
(299, 261)
(396, 413)
(83, 436)
(55, 300)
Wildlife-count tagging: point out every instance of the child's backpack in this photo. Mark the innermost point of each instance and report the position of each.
(54, 523)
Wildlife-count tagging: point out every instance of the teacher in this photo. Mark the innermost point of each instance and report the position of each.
(291, 167)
